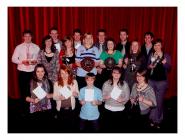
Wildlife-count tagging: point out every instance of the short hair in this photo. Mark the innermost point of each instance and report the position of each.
(158, 40)
(90, 74)
(53, 28)
(149, 33)
(124, 30)
(101, 30)
(110, 39)
(27, 31)
(77, 30)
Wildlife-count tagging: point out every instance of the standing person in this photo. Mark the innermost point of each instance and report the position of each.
(101, 44)
(87, 59)
(115, 94)
(54, 35)
(159, 65)
(25, 56)
(147, 47)
(89, 111)
(40, 109)
(49, 57)
(134, 61)
(67, 56)
(124, 45)
(77, 38)
(110, 52)
(144, 94)
(65, 104)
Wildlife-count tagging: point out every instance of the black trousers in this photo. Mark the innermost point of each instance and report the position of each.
(89, 125)
(24, 86)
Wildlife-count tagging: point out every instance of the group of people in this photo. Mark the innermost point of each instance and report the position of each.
(79, 75)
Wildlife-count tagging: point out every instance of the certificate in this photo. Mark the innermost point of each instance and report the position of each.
(89, 95)
(39, 92)
(115, 93)
(65, 92)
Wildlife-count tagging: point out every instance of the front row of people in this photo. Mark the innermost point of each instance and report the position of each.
(114, 95)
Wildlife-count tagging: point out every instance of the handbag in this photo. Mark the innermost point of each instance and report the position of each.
(66, 103)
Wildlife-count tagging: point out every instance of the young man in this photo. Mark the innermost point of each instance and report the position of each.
(101, 44)
(77, 38)
(147, 47)
(90, 98)
(54, 34)
(124, 45)
(25, 56)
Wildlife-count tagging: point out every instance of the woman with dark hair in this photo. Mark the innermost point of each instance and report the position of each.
(115, 94)
(109, 59)
(67, 55)
(144, 95)
(159, 65)
(48, 56)
(133, 61)
(65, 91)
(40, 107)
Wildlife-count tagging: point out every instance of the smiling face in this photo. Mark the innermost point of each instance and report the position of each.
(64, 74)
(68, 43)
(116, 75)
(27, 38)
(48, 43)
(101, 37)
(157, 47)
(88, 40)
(140, 78)
(110, 45)
(77, 37)
(123, 36)
(40, 73)
(54, 34)
(148, 39)
(135, 47)
(90, 81)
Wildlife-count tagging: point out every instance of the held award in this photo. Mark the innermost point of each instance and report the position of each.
(87, 64)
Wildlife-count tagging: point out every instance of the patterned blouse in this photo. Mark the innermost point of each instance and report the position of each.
(52, 67)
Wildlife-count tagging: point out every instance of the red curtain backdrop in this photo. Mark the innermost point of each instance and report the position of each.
(162, 21)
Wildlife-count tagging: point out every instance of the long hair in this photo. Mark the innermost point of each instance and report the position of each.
(35, 75)
(66, 38)
(120, 82)
(70, 78)
(53, 48)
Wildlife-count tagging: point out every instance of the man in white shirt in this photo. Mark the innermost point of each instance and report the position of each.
(54, 34)
(25, 56)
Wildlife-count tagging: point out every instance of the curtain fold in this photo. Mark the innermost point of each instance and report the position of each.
(162, 21)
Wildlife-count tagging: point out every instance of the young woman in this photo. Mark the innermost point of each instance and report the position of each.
(48, 56)
(67, 56)
(144, 94)
(133, 61)
(65, 91)
(159, 65)
(104, 70)
(88, 52)
(40, 108)
(115, 94)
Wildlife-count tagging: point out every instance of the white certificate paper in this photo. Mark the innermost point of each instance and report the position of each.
(89, 95)
(39, 92)
(115, 93)
(65, 92)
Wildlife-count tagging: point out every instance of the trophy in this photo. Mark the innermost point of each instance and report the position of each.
(110, 63)
(154, 62)
(132, 64)
(87, 64)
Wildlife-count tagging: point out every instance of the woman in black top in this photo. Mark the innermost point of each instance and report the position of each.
(159, 64)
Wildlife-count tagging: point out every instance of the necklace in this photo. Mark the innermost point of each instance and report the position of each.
(141, 86)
